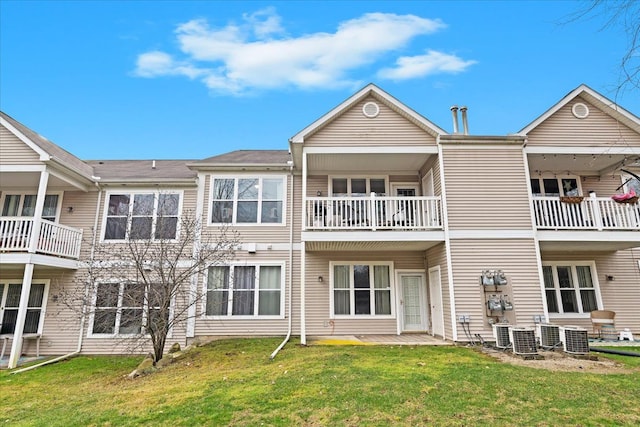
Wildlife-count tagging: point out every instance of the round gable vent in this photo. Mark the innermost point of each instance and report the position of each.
(370, 109)
(580, 110)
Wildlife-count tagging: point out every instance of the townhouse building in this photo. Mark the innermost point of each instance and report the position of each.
(374, 220)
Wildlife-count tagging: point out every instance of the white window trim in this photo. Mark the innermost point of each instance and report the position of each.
(133, 191)
(235, 199)
(26, 192)
(121, 283)
(596, 286)
(358, 176)
(45, 297)
(392, 286)
(256, 316)
(558, 178)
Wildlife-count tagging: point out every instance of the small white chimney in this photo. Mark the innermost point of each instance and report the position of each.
(153, 164)
(465, 124)
(454, 113)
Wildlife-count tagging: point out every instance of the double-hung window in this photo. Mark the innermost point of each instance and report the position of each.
(10, 302)
(25, 205)
(570, 287)
(245, 290)
(142, 216)
(126, 308)
(361, 289)
(247, 200)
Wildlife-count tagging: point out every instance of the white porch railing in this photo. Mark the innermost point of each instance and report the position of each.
(373, 213)
(592, 213)
(53, 238)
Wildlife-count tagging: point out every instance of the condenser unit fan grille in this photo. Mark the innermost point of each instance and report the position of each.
(501, 333)
(576, 341)
(549, 336)
(524, 341)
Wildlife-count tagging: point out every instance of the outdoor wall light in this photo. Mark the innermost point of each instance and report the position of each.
(610, 278)
(320, 279)
(319, 193)
(70, 209)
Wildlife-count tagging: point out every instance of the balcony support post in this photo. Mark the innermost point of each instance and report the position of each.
(37, 213)
(16, 345)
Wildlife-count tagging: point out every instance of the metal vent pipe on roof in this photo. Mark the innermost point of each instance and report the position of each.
(465, 124)
(454, 113)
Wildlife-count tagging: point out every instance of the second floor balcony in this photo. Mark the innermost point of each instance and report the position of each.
(588, 213)
(372, 213)
(53, 239)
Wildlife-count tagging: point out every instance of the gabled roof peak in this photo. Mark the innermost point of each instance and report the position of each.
(369, 90)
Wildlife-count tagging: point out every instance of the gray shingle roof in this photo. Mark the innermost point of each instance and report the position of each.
(142, 170)
(253, 157)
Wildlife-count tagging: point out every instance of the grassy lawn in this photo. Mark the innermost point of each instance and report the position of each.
(234, 383)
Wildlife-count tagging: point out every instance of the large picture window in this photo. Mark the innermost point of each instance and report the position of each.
(247, 200)
(10, 302)
(142, 216)
(244, 290)
(124, 308)
(361, 289)
(570, 287)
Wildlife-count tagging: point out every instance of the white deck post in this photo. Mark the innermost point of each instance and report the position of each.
(37, 213)
(595, 209)
(16, 346)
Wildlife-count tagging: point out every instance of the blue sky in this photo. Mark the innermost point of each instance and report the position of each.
(193, 79)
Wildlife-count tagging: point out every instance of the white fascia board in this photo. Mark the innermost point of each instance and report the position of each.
(372, 236)
(38, 259)
(588, 236)
(22, 168)
(427, 149)
(582, 150)
(44, 156)
(84, 186)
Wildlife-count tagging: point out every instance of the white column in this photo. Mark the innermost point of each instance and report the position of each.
(16, 346)
(37, 213)
(303, 310)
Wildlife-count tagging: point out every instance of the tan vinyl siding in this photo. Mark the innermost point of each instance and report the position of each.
(259, 233)
(82, 216)
(517, 259)
(15, 152)
(318, 293)
(604, 186)
(207, 326)
(598, 129)
(434, 165)
(486, 188)
(353, 128)
(437, 256)
(621, 295)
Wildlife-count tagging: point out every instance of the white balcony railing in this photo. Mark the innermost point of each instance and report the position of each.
(592, 213)
(53, 238)
(373, 213)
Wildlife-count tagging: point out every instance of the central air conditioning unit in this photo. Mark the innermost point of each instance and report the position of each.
(575, 339)
(524, 341)
(549, 336)
(501, 334)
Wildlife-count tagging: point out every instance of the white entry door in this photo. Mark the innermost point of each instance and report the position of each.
(435, 302)
(413, 305)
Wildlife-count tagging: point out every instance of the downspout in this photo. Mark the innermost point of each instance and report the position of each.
(84, 307)
(290, 304)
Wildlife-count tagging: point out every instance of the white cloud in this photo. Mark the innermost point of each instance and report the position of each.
(410, 67)
(257, 53)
